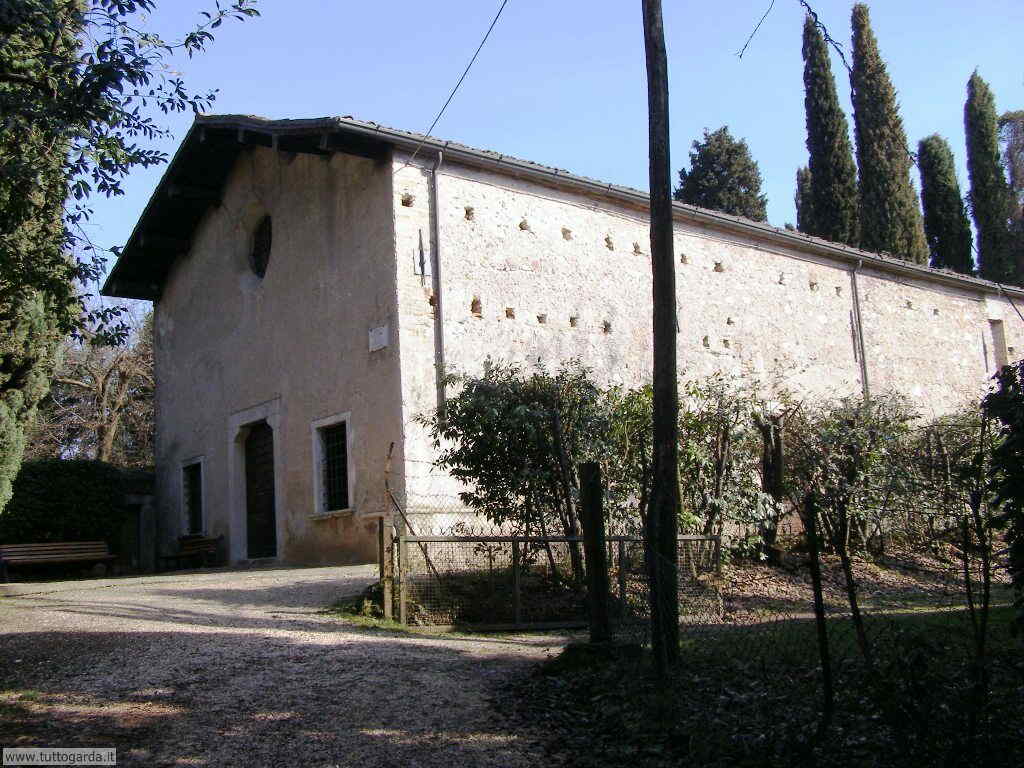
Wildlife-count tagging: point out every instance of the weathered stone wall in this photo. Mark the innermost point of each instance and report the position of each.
(531, 273)
(292, 346)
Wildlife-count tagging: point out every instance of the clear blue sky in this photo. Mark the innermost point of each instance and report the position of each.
(563, 83)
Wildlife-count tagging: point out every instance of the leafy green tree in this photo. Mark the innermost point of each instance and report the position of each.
(804, 202)
(945, 217)
(833, 175)
(723, 177)
(991, 201)
(79, 80)
(890, 219)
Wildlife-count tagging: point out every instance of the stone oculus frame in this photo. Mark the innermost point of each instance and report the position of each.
(239, 425)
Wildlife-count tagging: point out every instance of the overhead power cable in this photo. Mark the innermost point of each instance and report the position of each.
(465, 72)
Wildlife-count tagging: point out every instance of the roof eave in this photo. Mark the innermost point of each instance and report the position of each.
(325, 135)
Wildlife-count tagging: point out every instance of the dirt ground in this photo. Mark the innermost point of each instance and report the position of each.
(241, 668)
(899, 581)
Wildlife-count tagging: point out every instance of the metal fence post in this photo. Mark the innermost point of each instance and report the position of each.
(622, 577)
(387, 582)
(592, 517)
(517, 607)
(403, 578)
(380, 550)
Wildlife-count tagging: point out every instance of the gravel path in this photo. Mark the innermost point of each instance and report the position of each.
(241, 668)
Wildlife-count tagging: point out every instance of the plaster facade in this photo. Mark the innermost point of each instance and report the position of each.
(233, 349)
(523, 271)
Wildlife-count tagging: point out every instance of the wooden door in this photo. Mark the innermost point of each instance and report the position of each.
(261, 519)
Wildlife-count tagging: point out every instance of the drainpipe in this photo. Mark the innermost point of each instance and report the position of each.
(435, 258)
(859, 328)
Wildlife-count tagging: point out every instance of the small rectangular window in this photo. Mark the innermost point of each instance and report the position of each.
(334, 469)
(192, 495)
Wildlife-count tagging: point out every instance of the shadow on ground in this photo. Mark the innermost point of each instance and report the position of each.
(233, 698)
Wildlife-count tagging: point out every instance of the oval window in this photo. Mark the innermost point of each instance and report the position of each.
(259, 258)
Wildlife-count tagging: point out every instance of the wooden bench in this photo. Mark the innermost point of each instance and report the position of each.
(204, 550)
(53, 552)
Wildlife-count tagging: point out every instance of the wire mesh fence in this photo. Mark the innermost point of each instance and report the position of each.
(449, 566)
(537, 582)
(477, 574)
(474, 574)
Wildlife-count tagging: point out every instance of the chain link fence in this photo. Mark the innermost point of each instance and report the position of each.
(477, 575)
(447, 566)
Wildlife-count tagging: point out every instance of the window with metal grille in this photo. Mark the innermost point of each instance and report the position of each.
(192, 493)
(334, 469)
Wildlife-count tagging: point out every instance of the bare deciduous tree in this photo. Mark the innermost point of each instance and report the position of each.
(101, 403)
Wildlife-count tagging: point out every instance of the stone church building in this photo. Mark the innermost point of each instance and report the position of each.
(311, 278)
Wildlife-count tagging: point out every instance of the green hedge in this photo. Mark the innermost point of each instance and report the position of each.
(56, 500)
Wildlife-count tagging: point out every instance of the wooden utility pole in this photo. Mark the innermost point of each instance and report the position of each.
(662, 522)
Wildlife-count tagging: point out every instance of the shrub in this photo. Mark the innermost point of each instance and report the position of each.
(57, 500)
(1005, 405)
(515, 437)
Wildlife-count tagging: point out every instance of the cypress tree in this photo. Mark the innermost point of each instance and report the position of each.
(833, 175)
(723, 177)
(991, 203)
(804, 202)
(890, 219)
(945, 218)
(1011, 136)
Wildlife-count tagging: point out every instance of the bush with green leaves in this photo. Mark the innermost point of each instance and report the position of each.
(839, 467)
(851, 453)
(57, 500)
(720, 459)
(515, 438)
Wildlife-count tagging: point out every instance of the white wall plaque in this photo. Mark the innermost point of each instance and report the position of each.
(378, 338)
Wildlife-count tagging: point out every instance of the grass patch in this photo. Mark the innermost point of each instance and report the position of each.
(751, 696)
(364, 611)
(349, 613)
